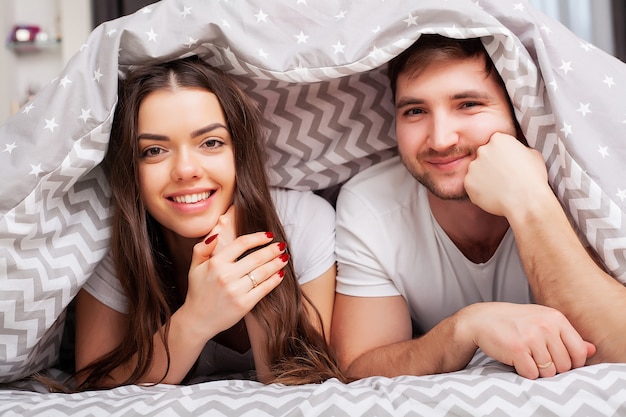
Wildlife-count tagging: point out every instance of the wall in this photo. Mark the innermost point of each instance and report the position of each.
(20, 72)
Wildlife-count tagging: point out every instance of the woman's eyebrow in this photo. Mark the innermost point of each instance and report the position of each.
(195, 133)
(151, 136)
(206, 129)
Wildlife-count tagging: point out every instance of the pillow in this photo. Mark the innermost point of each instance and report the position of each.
(317, 68)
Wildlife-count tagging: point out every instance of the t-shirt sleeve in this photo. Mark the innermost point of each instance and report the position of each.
(365, 261)
(309, 223)
(105, 287)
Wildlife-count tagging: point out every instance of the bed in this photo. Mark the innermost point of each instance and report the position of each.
(317, 68)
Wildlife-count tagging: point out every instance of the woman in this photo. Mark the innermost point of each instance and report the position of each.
(199, 271)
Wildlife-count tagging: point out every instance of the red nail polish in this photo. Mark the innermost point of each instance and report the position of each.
(269, 235)
(281, 273)
(284, 257)
(210, 239)
(282, 246)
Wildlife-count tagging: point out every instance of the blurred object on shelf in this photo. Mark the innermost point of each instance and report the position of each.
(30, 38)
(26, 33)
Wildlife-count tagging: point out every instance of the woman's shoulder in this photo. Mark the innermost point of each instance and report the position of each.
(296, 204)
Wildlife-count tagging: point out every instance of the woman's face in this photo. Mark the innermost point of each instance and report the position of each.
(186, 161)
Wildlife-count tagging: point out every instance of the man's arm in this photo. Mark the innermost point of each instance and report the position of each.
(510, 180)
(372, 336)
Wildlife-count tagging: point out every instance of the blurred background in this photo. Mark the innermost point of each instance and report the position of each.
(42, 35)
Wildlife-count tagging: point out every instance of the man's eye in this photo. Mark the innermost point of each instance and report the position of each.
(414, 112)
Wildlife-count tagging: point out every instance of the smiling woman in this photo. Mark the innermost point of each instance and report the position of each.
(186, 165)
(199, 280)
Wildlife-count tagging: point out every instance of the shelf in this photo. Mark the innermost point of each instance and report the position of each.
(33, 47)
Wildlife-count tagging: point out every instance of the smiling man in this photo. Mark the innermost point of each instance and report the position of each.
(445, 249)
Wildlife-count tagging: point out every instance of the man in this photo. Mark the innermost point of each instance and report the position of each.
(427, 243)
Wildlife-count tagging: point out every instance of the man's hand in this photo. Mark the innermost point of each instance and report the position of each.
(538, 341)
(506, 175)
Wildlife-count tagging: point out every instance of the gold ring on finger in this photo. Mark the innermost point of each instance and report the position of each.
(252, 280)
(544, 365)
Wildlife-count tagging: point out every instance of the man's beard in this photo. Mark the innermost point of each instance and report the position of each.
(426, 178)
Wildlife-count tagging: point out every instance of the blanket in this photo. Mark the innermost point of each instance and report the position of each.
(317, 69)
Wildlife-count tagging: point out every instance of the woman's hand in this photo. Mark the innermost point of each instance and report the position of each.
(223, 289)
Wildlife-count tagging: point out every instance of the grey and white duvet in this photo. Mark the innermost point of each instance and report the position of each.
(318, 70)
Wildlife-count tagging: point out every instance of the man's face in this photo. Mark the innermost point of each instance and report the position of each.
(443, 114)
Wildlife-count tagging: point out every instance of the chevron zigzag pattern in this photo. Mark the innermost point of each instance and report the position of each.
(488, 390)
(52, 242)
(328, 113)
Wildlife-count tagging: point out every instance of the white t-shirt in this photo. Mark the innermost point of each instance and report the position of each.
(388, 243)
(309, 224)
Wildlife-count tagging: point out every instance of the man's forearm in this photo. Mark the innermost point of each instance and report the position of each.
(435, 352)
(562, 275)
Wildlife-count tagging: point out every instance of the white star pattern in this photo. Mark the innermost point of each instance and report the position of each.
(454, 32)
(546, 29)
(97, 75)
(146, 10)
(586, 46)
(190, 42)
(376, 52)
(603, 150)
(9, 147)
(583, 109)
(263, 54)
(376, 29)
(566, 66)
(301, 2)
(85, 115)
(152, 36)
(566, 129)
(28, 108)
(65, 81)
(186, 12)
(111, 32)
(51, 124)
(411, 20)
(554, 85)
(301, 37)
(518, 7)
(35, 170)
(261, 17)
(621, 194)
(608, 81)
(225, 24)
(339, 47)
(341, 15)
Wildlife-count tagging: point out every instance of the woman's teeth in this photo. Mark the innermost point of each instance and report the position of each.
(191, 198)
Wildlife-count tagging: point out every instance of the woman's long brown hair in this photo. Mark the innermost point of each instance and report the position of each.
(296, 350)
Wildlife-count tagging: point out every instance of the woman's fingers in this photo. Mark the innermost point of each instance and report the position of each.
(256, 277)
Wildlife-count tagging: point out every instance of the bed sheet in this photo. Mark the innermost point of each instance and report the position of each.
(485, 388)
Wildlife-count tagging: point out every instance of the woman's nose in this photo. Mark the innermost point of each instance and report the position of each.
(185, 167)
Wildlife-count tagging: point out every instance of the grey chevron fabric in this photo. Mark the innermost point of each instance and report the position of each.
(317, 69)
(489, 389)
